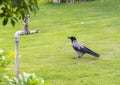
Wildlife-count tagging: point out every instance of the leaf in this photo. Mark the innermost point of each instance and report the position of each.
(23, 16)
(16, 80)
(31, 9)
(15, 19)
(5, 21)
(14, 2)
(12, 22)
(2, 14)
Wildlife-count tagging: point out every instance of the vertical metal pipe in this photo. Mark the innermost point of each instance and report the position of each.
(17, 57)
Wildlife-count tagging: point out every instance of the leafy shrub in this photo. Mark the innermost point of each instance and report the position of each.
(4, 61)
(26, 79)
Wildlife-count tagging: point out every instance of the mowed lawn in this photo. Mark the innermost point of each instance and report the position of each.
(49, 53)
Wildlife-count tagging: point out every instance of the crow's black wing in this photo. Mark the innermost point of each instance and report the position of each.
(87, 50)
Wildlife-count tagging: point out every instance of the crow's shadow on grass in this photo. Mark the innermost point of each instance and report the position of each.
(87, 59)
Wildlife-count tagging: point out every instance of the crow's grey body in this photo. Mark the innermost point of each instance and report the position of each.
(81, 49)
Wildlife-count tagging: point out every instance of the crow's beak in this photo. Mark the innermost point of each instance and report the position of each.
(69, 37)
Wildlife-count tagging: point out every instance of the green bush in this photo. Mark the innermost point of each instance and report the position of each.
(26, 79)
(4, 61)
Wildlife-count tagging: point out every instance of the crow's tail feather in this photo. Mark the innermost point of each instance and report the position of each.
(94, 54)
(91, 52)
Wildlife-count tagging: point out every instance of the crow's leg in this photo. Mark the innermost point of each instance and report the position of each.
(80, 55)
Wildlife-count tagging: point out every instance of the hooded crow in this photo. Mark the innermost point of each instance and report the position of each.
(81, 49)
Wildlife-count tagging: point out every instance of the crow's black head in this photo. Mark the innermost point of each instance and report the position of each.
(72, 38)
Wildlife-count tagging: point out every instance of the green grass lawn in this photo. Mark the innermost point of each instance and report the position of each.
(49, 53)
